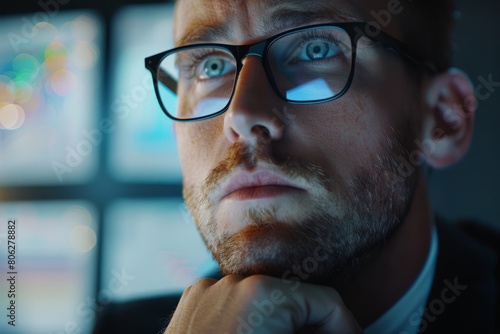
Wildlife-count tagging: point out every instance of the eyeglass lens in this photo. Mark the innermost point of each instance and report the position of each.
(306, 66)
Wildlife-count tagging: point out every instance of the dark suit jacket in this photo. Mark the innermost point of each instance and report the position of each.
(464, 298)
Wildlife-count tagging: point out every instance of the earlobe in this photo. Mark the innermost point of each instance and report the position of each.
(450, 106)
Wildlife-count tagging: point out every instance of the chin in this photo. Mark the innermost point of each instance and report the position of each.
(276, 249)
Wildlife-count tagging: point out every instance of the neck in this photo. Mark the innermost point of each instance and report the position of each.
(379, 282)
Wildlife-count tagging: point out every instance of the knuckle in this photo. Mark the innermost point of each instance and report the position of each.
(201, 284)
(205, 282)
(231, 279)
(255, 281)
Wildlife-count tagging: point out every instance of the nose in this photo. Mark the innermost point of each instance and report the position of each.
(253, 114)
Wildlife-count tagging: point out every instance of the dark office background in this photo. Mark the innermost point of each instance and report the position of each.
(120, 198)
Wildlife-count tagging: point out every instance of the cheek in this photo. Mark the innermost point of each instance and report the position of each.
(389, 84)
(197, 149)
(357, 126)
(349, 134)
(344, 135)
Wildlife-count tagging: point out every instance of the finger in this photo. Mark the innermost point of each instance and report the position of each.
(323, 309)
(185, 308)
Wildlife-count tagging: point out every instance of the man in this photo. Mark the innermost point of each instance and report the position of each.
(304, 136)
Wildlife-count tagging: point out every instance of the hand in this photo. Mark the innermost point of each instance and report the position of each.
(260, 304)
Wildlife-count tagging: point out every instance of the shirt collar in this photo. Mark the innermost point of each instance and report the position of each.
(404, 316)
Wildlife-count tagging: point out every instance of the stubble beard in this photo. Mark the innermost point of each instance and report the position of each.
(331, 237)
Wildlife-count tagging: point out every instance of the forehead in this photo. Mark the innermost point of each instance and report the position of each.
(244, 21)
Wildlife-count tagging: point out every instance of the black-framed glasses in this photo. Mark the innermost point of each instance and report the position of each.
(306, 65)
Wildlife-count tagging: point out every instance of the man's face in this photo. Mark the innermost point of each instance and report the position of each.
(269, 184)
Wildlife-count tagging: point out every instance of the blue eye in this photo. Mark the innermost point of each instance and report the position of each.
(215, 67)
(318, 50)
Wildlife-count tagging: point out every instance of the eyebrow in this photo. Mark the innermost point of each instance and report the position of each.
(280, 18)
(283, 18)
(204, 34)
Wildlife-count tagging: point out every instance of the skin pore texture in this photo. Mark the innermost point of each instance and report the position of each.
(346, 194)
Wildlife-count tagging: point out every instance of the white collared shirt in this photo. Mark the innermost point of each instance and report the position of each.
(405, 316)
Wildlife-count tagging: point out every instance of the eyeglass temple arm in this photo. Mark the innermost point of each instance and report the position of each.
(429, 66)
(167, 80)
(396, 46)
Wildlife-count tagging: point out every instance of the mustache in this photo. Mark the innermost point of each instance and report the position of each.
(245, 156)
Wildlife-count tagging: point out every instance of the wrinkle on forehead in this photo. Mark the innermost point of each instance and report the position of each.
(239, 22)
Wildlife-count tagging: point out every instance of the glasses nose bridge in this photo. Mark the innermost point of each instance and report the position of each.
(256, 49)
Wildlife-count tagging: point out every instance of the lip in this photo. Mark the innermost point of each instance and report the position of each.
(257, 183)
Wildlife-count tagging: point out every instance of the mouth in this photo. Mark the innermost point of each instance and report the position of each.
(256, 184)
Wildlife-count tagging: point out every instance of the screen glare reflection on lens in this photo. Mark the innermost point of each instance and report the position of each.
(317, 89)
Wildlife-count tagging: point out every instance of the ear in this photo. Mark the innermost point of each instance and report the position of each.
(450, 106)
